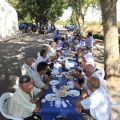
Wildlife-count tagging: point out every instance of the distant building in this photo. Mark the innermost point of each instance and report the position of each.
(8, 19)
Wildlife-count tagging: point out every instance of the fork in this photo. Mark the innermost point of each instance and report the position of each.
(68, 102)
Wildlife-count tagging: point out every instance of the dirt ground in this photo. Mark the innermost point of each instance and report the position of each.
(12, 57)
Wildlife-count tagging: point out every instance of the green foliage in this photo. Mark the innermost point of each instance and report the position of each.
(98, 36)
(61, 22)
(40, 10)
(73, 19)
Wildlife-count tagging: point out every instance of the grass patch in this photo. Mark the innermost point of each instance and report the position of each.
(101, 37)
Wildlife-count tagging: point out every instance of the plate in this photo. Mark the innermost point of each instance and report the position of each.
(54, 82)
(63, 93)
(64, 73)
(69, 77)
(50, 97)
(58, 76)
(73, 93)
(55, 72)
(64, 88)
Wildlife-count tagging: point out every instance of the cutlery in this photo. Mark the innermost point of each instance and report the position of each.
(68, 102)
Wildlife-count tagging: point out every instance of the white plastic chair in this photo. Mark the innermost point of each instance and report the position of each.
(4, 102)
(116, 103)
(38, 54)
(101, 73)
(17, 83)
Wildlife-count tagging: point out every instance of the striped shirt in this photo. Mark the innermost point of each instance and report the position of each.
(20, 105)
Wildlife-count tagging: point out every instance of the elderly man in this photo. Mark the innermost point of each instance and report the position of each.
(36, 76)
(89, 71)
(97, 104)
(25, 100)
(52, 49)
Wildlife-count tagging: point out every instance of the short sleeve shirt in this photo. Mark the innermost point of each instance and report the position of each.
(99, 104)
(20, 105)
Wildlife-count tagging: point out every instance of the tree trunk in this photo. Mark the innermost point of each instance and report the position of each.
(80, 24)
(111, 57)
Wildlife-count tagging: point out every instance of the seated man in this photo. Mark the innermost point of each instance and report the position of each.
(89, 58)
(41, 58)
(89, 71)
(98, 105)
(25, 100)
(27, 69)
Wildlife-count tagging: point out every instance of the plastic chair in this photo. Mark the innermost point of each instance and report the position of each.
(4, 102)
(116, 103)
(101, 73)
(17, 83)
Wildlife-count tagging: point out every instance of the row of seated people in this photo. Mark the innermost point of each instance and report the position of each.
(94, 98)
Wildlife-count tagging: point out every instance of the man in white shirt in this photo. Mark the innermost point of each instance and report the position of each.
(27, 69)
(41, 58)
(88, 71)
(89, 41)
(89, 58)
(25, 100)
(98, 103)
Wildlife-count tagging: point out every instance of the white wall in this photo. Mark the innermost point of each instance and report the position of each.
(8, 19)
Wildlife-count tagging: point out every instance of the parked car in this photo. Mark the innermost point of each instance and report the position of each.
(21, 25)
(71, 27)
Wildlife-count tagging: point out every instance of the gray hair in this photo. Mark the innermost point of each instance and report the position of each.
(52, 44)
(28, 58)
(94, 82)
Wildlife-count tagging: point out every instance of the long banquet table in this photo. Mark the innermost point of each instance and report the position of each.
(48, 112)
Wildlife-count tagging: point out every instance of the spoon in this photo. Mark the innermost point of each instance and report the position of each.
(68, 102)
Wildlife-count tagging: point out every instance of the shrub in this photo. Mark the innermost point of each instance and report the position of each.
(98, 36)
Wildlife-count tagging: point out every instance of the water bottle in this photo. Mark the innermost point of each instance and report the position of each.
(57, 99)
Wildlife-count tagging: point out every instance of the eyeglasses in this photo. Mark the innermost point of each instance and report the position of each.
(79, 62)
(85, 71)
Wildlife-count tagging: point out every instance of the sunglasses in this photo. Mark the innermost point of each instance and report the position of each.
(79, 62)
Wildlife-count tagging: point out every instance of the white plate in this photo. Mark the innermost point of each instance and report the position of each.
(73, 93)
(58, 76)
(71, 58)
(54, 82)
(64, 73)
(55, 72)
(50, 97)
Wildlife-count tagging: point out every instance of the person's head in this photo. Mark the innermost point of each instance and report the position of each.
(63, 39)
(88, 70)
(42, 68)
(84, 51)
(56, 40)
(45, 48)
(43, 53)
(25, 83)
(81, 61)
(79, 50)
(93, 84)
(29, 60)
(57, 31)
(89, 34)
(53, 45)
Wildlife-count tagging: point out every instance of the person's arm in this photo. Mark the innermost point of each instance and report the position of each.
(45, 87)
(78, 104)
(46, 79)
(37, 97)
(37, 108)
